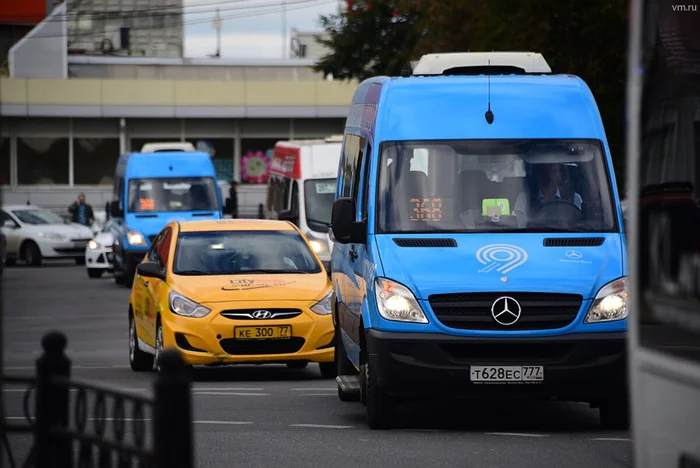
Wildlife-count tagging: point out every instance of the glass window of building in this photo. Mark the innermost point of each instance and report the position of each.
(94, 160)
(5, 161)
(42, 161)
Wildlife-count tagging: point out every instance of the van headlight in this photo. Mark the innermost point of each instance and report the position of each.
(136, 238)
(610, 303)
(323, 307)
(319, 247)
(181, 305)
(396, 302)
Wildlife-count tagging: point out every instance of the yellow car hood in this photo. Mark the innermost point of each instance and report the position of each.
(258, 287)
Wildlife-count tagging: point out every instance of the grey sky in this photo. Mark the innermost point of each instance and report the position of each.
(250, 28)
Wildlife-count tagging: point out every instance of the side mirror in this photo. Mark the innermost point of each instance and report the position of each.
(150, 270)
(9, 224)
(115, 210)
(345, 229)
(288, 215)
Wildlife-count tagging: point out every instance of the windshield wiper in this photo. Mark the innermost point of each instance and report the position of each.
(260, 270)
(543, 229)
(192, 272)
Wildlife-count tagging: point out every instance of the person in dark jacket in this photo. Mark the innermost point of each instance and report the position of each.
(81, 212)
(232, 201)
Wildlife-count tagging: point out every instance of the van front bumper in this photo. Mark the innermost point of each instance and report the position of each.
(580, 367)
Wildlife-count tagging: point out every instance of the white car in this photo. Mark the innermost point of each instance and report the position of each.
(34, 233)
(99, 257)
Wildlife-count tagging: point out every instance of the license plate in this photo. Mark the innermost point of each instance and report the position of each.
(262, 333)
(506, 374)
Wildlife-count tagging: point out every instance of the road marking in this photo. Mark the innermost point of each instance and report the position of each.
(314, 389)
(22, 390)
(318, 394)
(22, 418)
(614, 439)
(231, 423)
(321, 426)
(227, 389)
(230, 393)
(425, 430)
(516, 434)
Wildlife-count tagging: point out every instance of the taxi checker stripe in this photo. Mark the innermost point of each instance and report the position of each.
(515, 256)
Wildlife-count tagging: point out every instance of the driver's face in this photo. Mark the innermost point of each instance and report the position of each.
(549, 174)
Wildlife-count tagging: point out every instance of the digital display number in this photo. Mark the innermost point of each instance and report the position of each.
(147, 204)
(431, 209)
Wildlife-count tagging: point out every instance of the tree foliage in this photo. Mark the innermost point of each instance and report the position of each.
(369, 41)
(587, 38)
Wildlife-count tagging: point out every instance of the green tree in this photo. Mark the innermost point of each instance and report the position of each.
(370, 40)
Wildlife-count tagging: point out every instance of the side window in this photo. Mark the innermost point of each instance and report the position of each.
(365, 182)
(295, 198)
(118, 190)
(5, 217)
(152, 254)
(164, 248)
(286, 189)
(352, 163)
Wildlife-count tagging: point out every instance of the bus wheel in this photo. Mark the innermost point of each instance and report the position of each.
(614, 414)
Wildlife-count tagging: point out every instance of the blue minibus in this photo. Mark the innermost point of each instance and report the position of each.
(153, 189)
(478, 246)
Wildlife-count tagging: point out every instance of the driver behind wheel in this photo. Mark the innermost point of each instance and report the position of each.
(549, 178)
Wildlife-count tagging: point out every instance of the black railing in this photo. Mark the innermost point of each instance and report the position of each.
(62, 441)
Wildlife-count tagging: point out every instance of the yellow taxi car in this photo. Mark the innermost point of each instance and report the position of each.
(232, 292)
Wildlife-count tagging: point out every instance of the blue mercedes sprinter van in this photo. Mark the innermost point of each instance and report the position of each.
(478, 240)
(153, 189)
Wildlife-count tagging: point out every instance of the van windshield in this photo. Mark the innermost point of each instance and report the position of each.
(318, 203)
(494, 186)
(173, 194)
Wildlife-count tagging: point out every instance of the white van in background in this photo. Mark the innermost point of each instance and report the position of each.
(168, 146)
(301, 188)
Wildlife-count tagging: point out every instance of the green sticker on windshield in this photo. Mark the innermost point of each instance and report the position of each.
(495, 206)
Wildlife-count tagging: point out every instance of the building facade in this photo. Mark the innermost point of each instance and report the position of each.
(63, 136)
(138, 28)
(65, 118)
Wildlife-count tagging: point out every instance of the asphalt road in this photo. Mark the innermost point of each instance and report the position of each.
(265, 416)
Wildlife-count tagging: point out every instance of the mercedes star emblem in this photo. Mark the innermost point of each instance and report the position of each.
(262, 314)
(505, 310)
(574, 254)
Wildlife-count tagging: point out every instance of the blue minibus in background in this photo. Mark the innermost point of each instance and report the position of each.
(152, 189)
(478, 246)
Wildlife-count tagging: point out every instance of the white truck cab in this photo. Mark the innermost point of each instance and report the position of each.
(301, 188)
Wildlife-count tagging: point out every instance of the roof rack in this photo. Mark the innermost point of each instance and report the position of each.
(476, 63)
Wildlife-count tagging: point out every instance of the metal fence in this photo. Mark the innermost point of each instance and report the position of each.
(76, 423)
